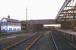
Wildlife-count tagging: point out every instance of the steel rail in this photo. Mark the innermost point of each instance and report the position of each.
(29, 44)
(54, 42)
(6, 48)
(32, 43)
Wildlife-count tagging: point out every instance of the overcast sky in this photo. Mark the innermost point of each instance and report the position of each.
(37, 9)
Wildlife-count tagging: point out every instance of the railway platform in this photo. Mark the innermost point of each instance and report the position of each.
(67, 36)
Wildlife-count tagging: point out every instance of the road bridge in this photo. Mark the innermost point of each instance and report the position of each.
(36, 25)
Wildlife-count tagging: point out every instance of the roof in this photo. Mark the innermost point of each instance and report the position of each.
(63, 6)
(11, 20)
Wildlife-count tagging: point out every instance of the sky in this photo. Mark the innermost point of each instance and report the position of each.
(36, 9)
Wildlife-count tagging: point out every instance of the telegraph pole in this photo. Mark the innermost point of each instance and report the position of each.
(26, 21)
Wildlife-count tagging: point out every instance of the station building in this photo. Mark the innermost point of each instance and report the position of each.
(10, 25)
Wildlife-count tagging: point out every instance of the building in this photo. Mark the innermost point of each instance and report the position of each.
(10, 25)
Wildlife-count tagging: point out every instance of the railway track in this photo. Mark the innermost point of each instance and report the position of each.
(27, 43)
(51, 39)
(59, 42)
